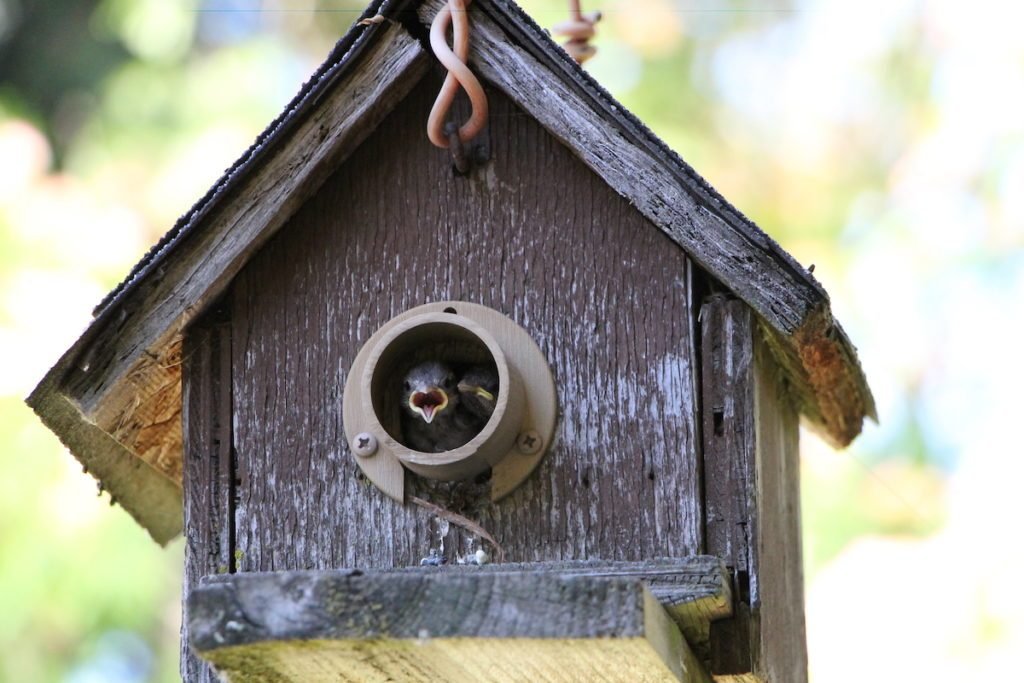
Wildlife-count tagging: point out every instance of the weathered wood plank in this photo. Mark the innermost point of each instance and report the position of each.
(751, 470)
(208, 483)
(694, 590)
(451, 660)
(727, 361)
(523, 235)
(151, 497)
(437, 625)
(780, 582)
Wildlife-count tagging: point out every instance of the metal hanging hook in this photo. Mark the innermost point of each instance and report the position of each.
(579, 29)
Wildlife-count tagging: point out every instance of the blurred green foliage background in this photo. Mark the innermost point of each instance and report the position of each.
(882, 141)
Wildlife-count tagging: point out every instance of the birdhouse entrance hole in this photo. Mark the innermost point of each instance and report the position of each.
(462, 338)
(457, 345)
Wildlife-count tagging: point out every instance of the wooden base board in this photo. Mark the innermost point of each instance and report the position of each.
(445, 659)
(437, 625)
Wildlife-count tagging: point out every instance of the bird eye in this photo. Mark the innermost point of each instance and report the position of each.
(406, 385)
(449, 381)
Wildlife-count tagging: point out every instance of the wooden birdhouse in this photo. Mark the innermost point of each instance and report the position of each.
(629, 511)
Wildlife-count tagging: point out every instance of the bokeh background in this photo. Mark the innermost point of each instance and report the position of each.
(881, 140)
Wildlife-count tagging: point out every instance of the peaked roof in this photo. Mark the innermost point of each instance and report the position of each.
(114, 398)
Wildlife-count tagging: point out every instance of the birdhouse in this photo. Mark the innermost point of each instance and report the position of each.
(283, 377)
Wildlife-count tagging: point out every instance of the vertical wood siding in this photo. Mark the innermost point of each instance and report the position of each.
(752, 493)
(209, 467)
(533, 234)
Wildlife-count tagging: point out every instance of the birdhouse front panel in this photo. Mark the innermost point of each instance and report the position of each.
(532, 234)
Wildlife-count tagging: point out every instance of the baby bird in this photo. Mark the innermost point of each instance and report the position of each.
(430, 407)
(478, 392)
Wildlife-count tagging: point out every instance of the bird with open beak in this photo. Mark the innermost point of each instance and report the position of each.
(431, 420)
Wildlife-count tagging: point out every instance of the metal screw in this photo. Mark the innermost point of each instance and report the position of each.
(364, 445)
(529, 442)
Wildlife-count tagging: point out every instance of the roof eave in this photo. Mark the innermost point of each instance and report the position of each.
(150, 497)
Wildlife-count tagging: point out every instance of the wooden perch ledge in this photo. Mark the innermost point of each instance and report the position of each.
(593, 621)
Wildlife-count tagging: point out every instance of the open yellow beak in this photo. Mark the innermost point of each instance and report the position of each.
(428, 403)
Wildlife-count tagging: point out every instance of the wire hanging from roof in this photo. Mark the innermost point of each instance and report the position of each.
(579, 29)
(459, 74)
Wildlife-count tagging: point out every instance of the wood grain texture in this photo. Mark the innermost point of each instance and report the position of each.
(782, 633)
(149, 423)
(240, 227)
(438, 625)
(209, 468)
(730, 485)
(522, 61)
(659, 194)
(151, 497)
(752, 489)
(118, 384)
(727, 359)
(119, 379)
(532, 234)
(694, 591)
(454, 660)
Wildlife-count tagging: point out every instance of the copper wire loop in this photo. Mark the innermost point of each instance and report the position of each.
(458, 75)
(579, 29)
